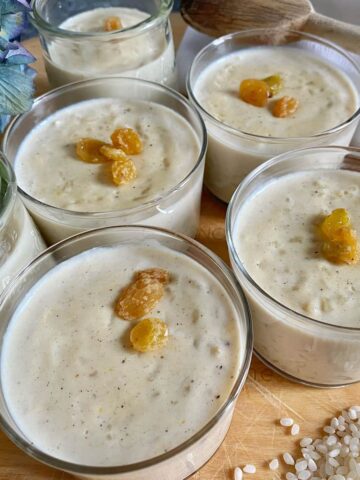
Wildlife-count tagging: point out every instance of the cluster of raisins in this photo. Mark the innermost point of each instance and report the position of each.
(137, 300)
(125, 141)
(339, 239)
(257, 93)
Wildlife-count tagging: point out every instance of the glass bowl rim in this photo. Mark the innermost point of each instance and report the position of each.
(9, 197)
(252, 136)
(244, 366)
(230, 224)
(40, 23)
(143, 207)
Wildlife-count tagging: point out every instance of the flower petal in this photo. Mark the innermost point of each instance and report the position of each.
(18, 55)
(13, 6)
(16, 89)
(11, 25)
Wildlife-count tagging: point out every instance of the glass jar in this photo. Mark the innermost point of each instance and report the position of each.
(179, 462)
(20, 241)
(233, 153)
(295, 345)
(177, 209)
(82, 49)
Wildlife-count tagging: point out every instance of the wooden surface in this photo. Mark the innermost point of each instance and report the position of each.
(255, 435)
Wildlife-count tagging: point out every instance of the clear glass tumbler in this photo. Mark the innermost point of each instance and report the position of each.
(76, 45)
(20, 241)
(177, 209)
(297, 346)
(233, 153)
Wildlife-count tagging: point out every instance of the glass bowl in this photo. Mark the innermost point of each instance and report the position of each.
(177, 209)
(233, 153)
(295, 345)
(20, 240)
(181, 461)
(144, 49)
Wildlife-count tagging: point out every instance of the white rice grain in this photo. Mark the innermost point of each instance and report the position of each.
(274, 464)
(295, 429)
(304, 475)
(238, 474)
(304, 442)
(286, 422)
(288, 459)
(249, 468)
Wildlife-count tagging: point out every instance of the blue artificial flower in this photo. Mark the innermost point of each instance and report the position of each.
(12, 18)
(16, 78)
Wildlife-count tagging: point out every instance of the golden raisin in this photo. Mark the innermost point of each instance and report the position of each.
(339, 239)
(139, 298)
(333, 223)
(274, 83)
(89, 150)
(253, 91)
(149, 334)
(112, 153)
(112, 23)
(128, 140)
(285, 106)
(123, 171)
(158, 274)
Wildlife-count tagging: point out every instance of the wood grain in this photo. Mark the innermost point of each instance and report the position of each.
(217, 18)
(255, 435)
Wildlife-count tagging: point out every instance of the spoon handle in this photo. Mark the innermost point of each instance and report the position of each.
(344, 34)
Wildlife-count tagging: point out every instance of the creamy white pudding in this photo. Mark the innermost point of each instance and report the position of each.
(327, 97)
(20, 242)
(49, 171)
(276, 242)
(241, 135)
(149, 54)
(87, 397)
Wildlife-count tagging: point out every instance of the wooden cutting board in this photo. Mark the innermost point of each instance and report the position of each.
(255, 435)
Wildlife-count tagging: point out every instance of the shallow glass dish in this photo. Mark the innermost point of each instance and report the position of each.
(295, 345)
(144, 49)
(177, 209)
(180, 462)
(233, 153)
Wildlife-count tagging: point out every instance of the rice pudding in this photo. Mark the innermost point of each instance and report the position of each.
(242, 135)
(49, 171)
(275, 235)
(94, 399)
(134, 49)
(20, 241)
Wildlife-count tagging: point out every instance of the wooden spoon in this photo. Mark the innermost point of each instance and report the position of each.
(219, 17)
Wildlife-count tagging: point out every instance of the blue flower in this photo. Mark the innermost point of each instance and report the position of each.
(12, 18)
(16, 78)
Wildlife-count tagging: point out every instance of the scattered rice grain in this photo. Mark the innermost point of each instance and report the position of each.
(274, 464)
(286, 422)
(295, 429)
(249, 468)
(238, 474)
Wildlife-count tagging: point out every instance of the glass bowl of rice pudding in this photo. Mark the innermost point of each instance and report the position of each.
(66, 195)
(20, 241)
(321, 77)
(100, 405)
(97, 38)
(304, 302)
